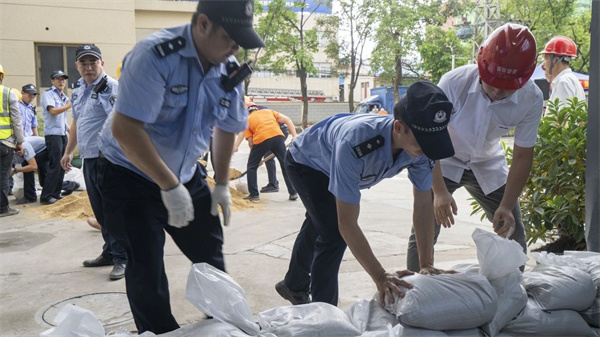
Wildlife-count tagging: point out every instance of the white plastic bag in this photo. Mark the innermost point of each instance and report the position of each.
(370, 316)
(512, 298)
(218, 295)
(310, 320)
(497, 256)
(73, 321)
(206, 327)
(75, 174)
(536, 322)
(447, 301)
(559, 287)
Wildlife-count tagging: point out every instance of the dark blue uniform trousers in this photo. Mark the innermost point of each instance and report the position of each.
(55, 145)
(93, 170)
(137, 218)
(277, 146)
(319, 246)
(270, 164)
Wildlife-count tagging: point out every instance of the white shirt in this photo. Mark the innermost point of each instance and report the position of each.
(477, 125)
(566, 85)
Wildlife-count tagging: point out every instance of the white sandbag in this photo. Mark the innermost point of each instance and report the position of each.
(497, 256)
(536, 322)
(512, 298)
(466, 268)
(312, 319)
(216, 294)
(592, 314)
(73, 321)
(559, 287)
(75, 174)
(447, 301)
(410, 331)
(594, 272)
(370, 316)
(465, 333)
(390, 331)
(206, 327)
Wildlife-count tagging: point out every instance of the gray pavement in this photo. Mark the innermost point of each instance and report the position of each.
(41, 270)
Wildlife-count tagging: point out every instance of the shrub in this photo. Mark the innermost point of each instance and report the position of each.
(553, 200)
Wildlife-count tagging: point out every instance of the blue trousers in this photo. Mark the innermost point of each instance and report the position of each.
(137, 218)
(93, 171)
(319, 246)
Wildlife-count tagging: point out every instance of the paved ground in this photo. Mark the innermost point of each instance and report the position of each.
(41, 270)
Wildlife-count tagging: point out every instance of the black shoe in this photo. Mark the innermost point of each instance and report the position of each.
(68, 192)
(48, 201)
(270, 188)
(118, 272)
(26, 201)
(295, 297)
(293, 197)
(9, 211)
(252, 198)
(58, 197)
(100, 261)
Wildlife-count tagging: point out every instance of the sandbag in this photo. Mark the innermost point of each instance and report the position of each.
(312, 319)
(559, 287)
(512, 298)
(74, 321)
(592, 314)
(206, 327)
(218, 295)
(370, 316)
(497, 256)
(447, 301)
(466, 268)
(536, 322)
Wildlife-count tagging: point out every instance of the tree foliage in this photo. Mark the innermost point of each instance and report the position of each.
(437, 48)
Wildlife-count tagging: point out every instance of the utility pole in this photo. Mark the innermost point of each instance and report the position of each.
(486, 19)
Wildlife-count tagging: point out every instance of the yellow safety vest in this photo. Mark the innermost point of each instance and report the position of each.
(5, 122)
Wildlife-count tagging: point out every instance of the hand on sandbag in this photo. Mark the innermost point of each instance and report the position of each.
(391, 282)
(221, 196)
(504, 222)
(435, 271)
(179, 205)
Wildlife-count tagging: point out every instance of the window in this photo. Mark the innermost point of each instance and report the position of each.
(55, 57)
(323, 70)
(323, 41)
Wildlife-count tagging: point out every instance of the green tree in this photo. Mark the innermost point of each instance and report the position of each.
(400, 24)
(355, 20)
(294, 43)
(437, 49)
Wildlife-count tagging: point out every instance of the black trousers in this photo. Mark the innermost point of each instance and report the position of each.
(319, 246)
(258, 151)
(6, 157)
(29, 177)
(270, 164)
(137, 218)
(55, 145)
(93, 170)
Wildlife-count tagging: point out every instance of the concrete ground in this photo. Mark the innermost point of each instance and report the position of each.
(41, 270)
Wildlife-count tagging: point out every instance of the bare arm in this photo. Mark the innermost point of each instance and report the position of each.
(288, 122)
(35, 131)
(31, 166)
(139, 149)
(222, 149)
(517, 178)
(444, 205)
(238, 141)
(424, 226)
(360, 248)
(57, 111)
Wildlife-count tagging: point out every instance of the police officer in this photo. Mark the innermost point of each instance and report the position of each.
(28, 114)
(489, 99)
(55, 104)
(357, 152)
(93, 100)
(11, 141)
(175, 86)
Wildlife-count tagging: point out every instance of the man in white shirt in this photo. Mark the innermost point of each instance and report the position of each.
(489, 99)
(559, 51)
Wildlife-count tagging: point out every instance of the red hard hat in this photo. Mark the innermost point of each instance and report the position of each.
(507, 58)
(251, 106)
(561, 45)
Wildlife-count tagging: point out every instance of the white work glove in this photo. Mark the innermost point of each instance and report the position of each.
(221, 196)
(179, 205)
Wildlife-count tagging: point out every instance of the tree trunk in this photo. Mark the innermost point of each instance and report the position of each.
(351, 100)
(398, 77)
(304, 89)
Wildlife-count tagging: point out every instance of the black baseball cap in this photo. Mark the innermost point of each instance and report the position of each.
(30, 89)
(87, 49)
(235, 17)
(426, 110)
(58, 73)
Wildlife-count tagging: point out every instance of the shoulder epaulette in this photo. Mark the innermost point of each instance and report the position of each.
(168, 47)
(369, 146)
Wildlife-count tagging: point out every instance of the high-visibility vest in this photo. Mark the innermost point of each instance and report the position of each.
(5, 122)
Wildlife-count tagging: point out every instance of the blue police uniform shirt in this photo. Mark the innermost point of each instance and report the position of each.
(91, 109)
(31, 146)
(329, 147)
(54, 125)
(177, 101)
(28, 118)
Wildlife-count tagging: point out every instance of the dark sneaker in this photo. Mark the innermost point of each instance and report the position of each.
(118, 272)
(293, 197)
(69, 191)
(270, 188)
(295, 297)
(9, 212)
(24, 201)
(252, 198)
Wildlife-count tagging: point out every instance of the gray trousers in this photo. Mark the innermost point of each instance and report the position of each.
(488, 202)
